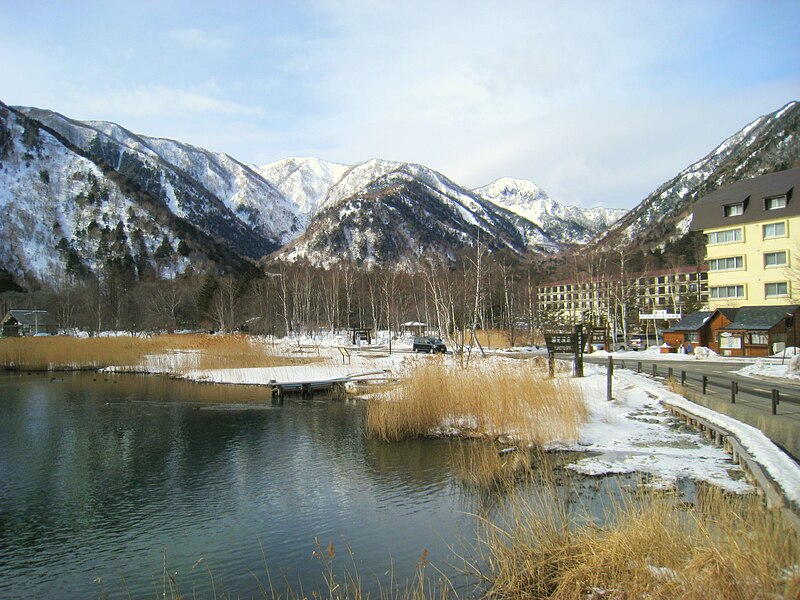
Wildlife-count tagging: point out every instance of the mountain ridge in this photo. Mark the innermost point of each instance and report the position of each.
(134, 199)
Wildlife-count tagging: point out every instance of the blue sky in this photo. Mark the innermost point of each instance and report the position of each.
(596, 102)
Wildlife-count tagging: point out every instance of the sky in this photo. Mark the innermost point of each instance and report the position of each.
(597, 102)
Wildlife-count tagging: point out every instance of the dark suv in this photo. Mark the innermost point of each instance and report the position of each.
(429, 344)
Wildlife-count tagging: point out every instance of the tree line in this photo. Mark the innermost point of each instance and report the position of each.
(478, 291)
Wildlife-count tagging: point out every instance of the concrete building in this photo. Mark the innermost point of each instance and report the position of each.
(752, 230)
(601, 299)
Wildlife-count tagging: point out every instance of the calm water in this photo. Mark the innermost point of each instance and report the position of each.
(101, 477)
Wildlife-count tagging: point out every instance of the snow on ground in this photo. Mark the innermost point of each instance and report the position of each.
(635, 433)
(632, 433)
(784, 470)
(777, 365)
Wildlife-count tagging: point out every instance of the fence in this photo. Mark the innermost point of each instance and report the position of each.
(703, 383)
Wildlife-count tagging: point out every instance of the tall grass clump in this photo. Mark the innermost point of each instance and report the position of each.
(510, 400)
(724, 547)
(178, 351)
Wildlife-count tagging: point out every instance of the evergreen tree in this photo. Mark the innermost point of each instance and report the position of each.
(206, 296)
(164, 250)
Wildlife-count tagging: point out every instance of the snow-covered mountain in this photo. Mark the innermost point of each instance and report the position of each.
(205, 177)
(384, 212)
(78, 197)
(563, 224)
(768, 144)
(305, 181)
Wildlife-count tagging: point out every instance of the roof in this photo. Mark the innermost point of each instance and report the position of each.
(29, 317)
(709, 210)
(728, 313)
(692, 321)
(760, 318)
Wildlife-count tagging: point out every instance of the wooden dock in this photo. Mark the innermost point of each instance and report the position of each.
(330, 385)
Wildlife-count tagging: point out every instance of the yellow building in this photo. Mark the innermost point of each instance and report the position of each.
(752, 230)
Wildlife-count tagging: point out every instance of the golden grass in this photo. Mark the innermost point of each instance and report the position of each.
(489, 467)
(196, 352)
(724, 548)
(508, 400)
(493, 338)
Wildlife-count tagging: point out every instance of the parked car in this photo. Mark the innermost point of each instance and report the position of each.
(429, 344)
(639, 341)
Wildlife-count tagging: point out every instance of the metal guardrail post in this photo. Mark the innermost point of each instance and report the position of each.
(683, 378)
(705, 384)
(733, 392)
(655, 370)
(775, 400)
(639, 367)
(609, 378)
(669, 374)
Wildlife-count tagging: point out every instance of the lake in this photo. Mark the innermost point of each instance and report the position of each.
(109, 481)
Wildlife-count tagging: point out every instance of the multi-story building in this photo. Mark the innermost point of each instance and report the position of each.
(614, 299)
(752, 230)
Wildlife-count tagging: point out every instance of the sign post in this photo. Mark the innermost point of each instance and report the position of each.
(566, 343)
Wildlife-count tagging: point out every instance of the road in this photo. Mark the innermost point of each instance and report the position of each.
(751, 390)
(757, 390)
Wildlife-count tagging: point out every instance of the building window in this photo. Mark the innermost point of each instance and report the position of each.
(725, 236)
(726, 291)
(733, 210)
(774, 230)
(776, 290)
(726, 264)
(775, 202)
(758, 339)
(775, 259)
(693, 337)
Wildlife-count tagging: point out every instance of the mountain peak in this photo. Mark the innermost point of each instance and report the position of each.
(511, 187)
(303, 180)
(564, 224)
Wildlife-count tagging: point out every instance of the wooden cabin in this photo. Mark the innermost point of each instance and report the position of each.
(25, 323)
(760, 330)
(699, 329)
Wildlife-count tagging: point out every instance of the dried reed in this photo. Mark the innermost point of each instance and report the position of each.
(193, 352)
(509, 400)
(725, 547)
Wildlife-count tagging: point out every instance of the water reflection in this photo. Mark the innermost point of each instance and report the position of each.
(103, 475)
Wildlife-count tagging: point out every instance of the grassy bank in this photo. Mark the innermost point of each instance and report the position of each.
(174, 353)
(725, 547)
(511, 400)
(649, 545)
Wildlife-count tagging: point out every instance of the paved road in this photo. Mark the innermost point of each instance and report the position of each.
(757, 391)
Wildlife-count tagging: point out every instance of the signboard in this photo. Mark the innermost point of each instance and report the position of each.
(730, 342)
(660, 315)
(564, 343)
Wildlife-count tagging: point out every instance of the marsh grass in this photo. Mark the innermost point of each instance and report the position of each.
(512, 400)
(168, 353)
(648, 546)
(488, 467)
(340, 578)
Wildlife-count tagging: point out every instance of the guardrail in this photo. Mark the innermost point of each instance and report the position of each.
(703, 382)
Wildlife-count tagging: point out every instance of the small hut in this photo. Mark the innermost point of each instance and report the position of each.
(414, 327)
(23, 323)
(761, 330)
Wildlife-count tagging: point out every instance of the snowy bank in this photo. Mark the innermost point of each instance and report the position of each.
(635, 433)
(780, 467)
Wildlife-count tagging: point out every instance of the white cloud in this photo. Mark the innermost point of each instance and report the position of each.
(160, 101)
(198, 39)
